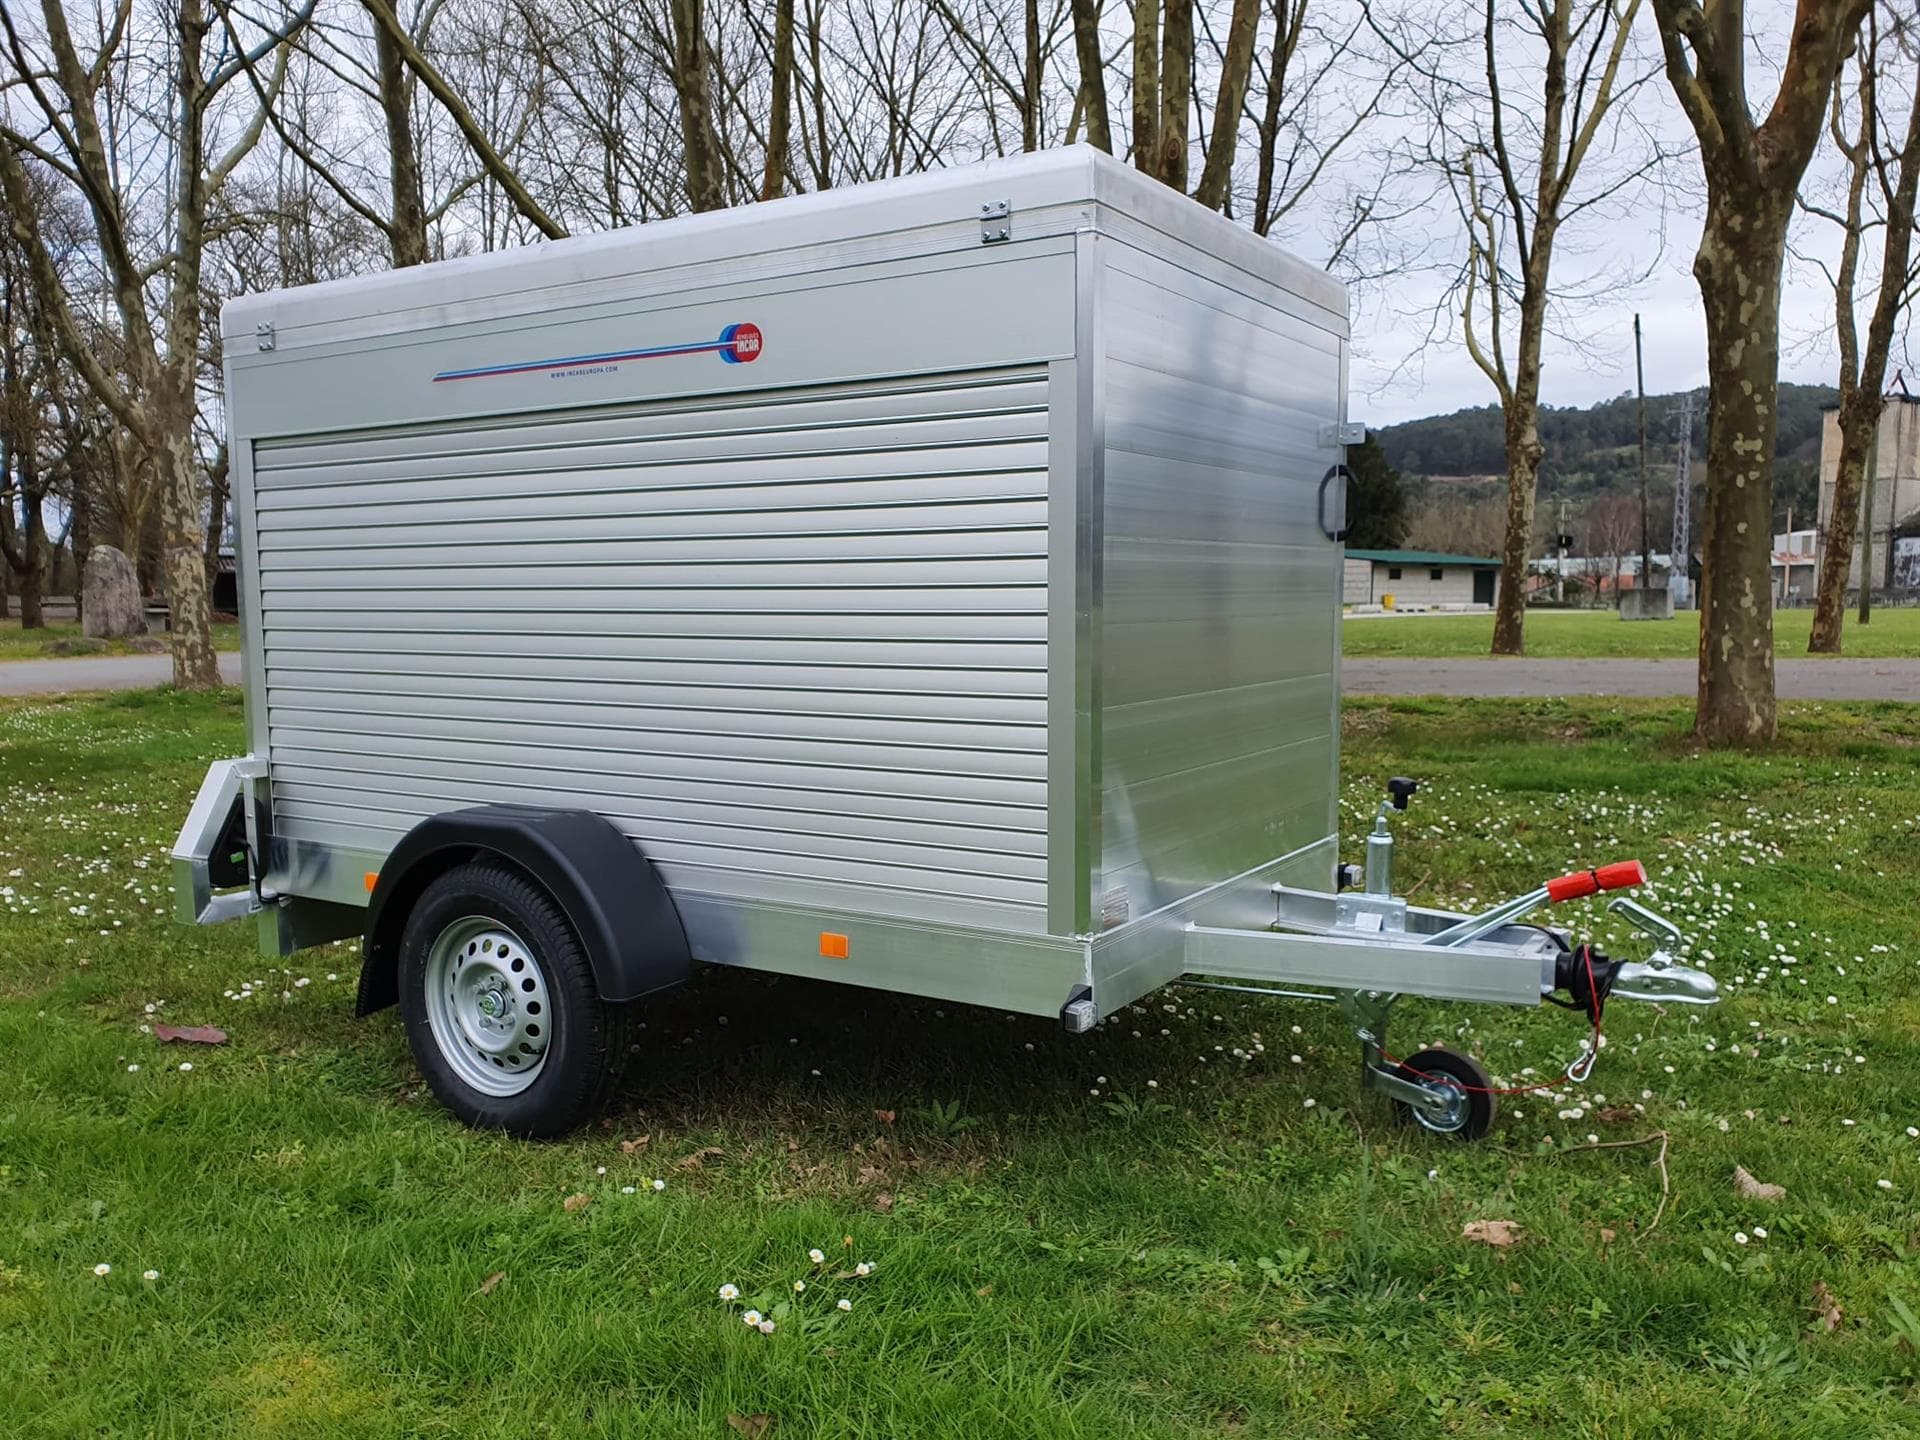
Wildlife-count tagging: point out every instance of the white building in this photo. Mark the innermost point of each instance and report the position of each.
(1796, 564)
(1420, 580)
(1896, 481)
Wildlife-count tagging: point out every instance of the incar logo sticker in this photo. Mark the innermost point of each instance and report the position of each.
(738, 345)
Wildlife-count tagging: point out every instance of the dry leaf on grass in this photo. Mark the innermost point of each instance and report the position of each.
(628, 1147)
(1491, 1232)
(1607, 1236)
(751, 1425)
(886, 1117)
(883, 1202)
(1752, 1189)
(699, 1158)
(190, 1034)
(575, 1203)
(1617, 1115)
(1826, 1307)
(486, 1285)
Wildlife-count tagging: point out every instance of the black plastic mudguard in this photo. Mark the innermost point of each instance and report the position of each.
(610, 892)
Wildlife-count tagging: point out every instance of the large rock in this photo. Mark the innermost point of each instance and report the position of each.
(1654, 603)
(110, 595)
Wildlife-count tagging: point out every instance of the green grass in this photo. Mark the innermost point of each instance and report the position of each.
(65, 638)
(1191, 1251)
(1585, 634)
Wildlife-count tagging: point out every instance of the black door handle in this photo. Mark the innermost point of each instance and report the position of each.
(1345, 477)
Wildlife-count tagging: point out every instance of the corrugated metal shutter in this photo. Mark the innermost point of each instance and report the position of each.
(793, 643)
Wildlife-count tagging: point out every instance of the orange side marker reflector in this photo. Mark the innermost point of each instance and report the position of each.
(832, 946)
(373, 879)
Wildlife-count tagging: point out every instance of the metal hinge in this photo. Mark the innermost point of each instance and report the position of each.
(263, 335)
(1348, 432)
(996, 222)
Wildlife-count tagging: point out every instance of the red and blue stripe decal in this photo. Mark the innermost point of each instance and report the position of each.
(738, 345)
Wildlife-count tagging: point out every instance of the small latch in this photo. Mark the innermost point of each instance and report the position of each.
(263, 335)
(1348, 432)
(996, 222)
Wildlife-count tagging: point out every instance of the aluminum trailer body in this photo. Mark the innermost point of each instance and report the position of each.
(929, 579)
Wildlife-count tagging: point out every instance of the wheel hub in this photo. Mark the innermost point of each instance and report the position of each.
(487, 1005)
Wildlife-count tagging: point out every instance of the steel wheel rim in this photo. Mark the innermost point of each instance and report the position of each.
(487, 1005)
(1459, 1106)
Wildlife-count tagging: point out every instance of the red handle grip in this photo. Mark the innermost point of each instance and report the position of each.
(1623, 875)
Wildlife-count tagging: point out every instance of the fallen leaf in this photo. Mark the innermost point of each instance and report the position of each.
(868, 1174)
(1616, 1114)
(1826, 1307)
(1491, 1232)
(751, 1425)
(486, 1285)
(1607, 1236)
(883, 1202)
(886, 1117)
(984, 1291)
(628, 1147)
(575, 1203)
(190, 1034)
(699, 1158)
(1752, 1189)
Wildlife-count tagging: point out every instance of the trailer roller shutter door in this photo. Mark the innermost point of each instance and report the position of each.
(793, 643)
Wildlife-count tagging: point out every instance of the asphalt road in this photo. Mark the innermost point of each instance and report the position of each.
(1797, 679)
(96, 672)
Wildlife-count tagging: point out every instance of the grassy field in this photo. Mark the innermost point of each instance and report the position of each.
(1188, 1224)
(64, 638)
(1583, 634)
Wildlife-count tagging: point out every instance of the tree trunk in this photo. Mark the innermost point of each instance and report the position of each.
(1146, 86)
(698, 142)
(1236, 70)
(1030, 82)
(780, 117)
(30, 575)
(1524, 452)
(1738, 267)
(1093, 78)
(220, 486)
(183, 539)
(1858, 430)
(1176, 93)
(407, 230)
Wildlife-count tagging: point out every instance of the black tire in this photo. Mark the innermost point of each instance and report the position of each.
(1477, 1107)
(585, 1038)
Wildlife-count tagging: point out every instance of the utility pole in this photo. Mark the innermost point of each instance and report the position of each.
(1646, 524)
(1561, 540)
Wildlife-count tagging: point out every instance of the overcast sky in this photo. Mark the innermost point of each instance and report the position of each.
(1396, 375)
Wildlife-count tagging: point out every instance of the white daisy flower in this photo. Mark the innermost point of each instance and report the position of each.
(1739, 1237)
(103, 1269)
(843, 1305)
(729, 1292)
(186, 1065)
(150, 1275)
(1884, 1184)
(626, 1189)
(659, 1184)
(818, 1257)
(798, 1286)
(752, 1317)
(865, 1267)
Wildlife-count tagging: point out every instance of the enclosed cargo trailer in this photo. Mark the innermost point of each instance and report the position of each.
(931, 585)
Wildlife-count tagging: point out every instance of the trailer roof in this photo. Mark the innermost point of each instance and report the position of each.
(1053, 192)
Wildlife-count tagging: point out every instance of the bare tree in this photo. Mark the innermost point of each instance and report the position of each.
(1883, 174)
(1520, 167)
(1753, 174)
(157, 296)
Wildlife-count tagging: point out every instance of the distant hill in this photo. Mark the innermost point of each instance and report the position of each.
(1596, 451)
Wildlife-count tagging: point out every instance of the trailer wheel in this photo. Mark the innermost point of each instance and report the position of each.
(1470, 1108)
(501, 1009)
